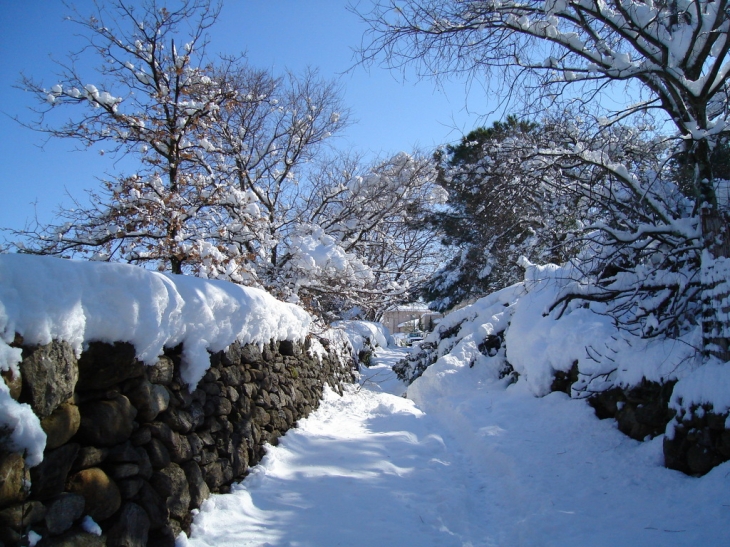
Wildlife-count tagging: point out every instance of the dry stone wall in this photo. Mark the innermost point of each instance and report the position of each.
(696, 441)
(133, 448)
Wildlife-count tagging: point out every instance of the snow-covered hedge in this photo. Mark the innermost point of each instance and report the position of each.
(365, 336)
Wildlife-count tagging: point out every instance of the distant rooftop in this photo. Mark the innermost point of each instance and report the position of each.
(413, 306)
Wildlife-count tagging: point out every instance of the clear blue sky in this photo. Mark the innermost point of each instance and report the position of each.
(391, 115)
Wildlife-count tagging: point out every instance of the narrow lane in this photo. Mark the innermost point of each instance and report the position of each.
(365, 469)
(468, 462)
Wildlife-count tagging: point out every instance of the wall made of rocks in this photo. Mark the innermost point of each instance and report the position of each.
(131, 447)
(696, 442)
(699, 441)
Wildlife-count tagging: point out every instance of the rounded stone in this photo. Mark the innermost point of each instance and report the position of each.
(129, 487)
(101, 493)
(199, 490)
(13, 478)
(61, 425)
(162, 371)
(125, 470)
(158, 454)
(149, 400)
(48, 478)
(90, 456)
(63, 511)
(107, 422)
(172, 484)
(25, 514)
(103, 365)
(131, 528)
(14, 383)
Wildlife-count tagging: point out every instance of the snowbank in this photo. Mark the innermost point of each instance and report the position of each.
(474, 324)
(708, 385)
(365, 333)
(43, 298)
(538, 342)
(652, 386)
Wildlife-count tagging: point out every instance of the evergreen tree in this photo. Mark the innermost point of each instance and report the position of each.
(496, 212)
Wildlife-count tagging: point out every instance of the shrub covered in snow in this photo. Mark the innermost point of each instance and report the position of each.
(365, 337)
(517, 326)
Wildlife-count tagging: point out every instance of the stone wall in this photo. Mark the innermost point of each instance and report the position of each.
(131, 447)
(699, 441)
(696, 441)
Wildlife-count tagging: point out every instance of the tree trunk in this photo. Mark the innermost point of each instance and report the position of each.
(716, 284)
(715, 261)
(175, 265)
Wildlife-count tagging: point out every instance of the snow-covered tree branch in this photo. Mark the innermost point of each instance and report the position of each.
(672, 55)
(357, 242)
(232, 173)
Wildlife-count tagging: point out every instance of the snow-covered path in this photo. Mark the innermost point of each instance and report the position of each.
(483, 466)
(366, 469)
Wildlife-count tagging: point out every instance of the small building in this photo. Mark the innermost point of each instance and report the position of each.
(409, 318)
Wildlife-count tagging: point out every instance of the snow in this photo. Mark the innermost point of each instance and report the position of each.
(379, 375)
(89, 526)
(317, 255)
(24, 425)
(33, 538)
(45, 299)
(364, 333)
(707, 385)
(479, 463)
(540, 342)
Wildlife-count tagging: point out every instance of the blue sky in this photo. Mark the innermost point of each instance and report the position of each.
(391, 115)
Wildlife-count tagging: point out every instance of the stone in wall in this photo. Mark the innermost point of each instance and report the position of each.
(699, 441)
(49, 375)
(641, 412)
(61, 424)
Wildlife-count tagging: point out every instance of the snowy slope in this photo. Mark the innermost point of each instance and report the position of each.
(478, 464)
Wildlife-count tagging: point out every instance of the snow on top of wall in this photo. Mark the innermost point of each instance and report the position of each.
(707, 385)
(44, 298)
(539, 343)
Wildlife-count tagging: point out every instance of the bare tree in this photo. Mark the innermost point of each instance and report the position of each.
(262, 143)
(223, 148)
(357, 241)
(390, 199)
(155, 97)
(231, 182)
(675, 53)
